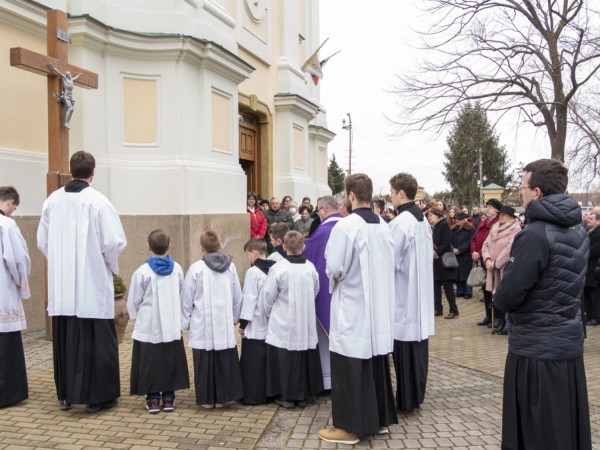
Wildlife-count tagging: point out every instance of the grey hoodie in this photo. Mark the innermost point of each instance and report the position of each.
(217, 261)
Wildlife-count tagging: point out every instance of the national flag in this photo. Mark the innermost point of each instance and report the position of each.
(314, 67)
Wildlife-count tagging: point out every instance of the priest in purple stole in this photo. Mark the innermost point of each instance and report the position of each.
(314, 251)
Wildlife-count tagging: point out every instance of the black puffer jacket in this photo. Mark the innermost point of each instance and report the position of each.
(544, 279)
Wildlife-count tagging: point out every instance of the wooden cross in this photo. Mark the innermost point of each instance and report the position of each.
(58, 134)
(58, 55)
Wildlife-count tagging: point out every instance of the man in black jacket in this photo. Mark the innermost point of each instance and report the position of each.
(591, 292)
(545, 394)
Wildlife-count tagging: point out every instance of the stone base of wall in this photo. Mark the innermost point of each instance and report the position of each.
(185, 232)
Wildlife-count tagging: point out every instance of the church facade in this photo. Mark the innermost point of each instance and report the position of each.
(198, 102)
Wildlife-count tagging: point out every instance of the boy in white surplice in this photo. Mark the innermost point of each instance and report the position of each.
(294, 373)
(158, 363)
(253, 324)
(212, 300)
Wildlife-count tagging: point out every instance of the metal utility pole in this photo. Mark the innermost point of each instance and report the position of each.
(480, 176)
(349, 128)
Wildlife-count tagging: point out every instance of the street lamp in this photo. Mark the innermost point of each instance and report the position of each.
(349, 128)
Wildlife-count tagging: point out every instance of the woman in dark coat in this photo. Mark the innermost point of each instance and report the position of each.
(442, 243)
(461, 243)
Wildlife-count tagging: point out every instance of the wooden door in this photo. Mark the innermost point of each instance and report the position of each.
(250, 155)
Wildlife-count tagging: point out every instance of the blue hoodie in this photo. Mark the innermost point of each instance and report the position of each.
(161, 265)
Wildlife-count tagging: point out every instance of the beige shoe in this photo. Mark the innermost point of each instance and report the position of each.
(383, 430)
(339, 436)
(208, 406)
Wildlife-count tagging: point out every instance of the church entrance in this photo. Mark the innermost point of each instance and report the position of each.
(250, 152)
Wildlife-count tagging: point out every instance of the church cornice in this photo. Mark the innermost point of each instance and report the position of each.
(92, 33)
(321, 133)
(296, 104)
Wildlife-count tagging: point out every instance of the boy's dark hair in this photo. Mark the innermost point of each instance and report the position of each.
(9, 193)
(549, 175)
(159, 242)
(82, 164)
(258, 245)
(278, 231)
(379, 203)
(293, 242)
(306, 198)
(303, 208)
(210, 241)
(405, 182)
(361, 185)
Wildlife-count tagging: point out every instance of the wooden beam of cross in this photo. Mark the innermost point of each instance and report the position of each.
(58, 53)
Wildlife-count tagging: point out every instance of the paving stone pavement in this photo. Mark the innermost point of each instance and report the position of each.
(462, 409)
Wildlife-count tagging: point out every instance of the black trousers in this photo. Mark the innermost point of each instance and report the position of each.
(487, 301)
(450, 295)
(591, 302)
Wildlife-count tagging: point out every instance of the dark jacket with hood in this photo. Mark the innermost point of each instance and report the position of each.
(543, 281)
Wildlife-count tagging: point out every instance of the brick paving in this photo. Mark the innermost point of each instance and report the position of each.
(462, 409)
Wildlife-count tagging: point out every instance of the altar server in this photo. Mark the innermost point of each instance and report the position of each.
(414, 311)
(294, 374)
(360, 265)
(14, 269)
(81, 236)
(212, 300)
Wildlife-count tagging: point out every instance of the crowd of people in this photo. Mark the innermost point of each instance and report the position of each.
(333, 290)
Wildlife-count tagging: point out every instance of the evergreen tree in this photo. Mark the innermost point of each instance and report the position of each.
(470, 133)
(335, 176)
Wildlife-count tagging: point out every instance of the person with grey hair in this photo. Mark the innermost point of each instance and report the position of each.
(314, 251)
(15, 266)
(343, 207)
(545, 404)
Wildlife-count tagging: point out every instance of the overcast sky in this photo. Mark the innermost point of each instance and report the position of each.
(376, 42)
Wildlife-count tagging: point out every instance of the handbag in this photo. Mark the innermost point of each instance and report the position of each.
(477, 275)
(449, 261)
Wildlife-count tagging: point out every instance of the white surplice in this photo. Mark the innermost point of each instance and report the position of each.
(14, 269)
(289, 302)
(252, 304)
(211, 306)
(360, 267)
(413, 255)
(154, 302)
(81, 236)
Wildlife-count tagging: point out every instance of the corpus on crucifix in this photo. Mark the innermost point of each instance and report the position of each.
(66, 96)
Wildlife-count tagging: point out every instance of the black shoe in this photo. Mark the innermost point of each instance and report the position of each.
(497, 324)
(284, 404)
(467, 297)
(95, 407)
(593, 322)
(64, 405)
(485, 321)
(438, 313)
(501, 326)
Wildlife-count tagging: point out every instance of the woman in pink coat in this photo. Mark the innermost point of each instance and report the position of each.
(496, 252)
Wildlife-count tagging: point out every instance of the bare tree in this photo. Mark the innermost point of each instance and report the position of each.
(532, 56)
(584, 152)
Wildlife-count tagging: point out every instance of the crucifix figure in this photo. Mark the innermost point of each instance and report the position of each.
(55, 66)
(66, 96)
